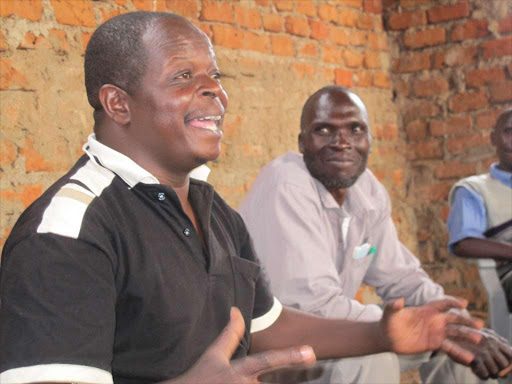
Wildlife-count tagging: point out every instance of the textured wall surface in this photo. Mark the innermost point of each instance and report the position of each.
(452, 75)
(432, 73)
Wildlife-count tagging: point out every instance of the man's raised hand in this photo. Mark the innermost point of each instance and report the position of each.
(216, 367)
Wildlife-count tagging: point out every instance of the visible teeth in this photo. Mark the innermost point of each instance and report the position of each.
(215, 118)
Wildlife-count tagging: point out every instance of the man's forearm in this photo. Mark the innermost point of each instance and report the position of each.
(474, 248)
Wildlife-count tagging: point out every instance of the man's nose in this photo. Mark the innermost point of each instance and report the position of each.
(341, 138)
(210, 87)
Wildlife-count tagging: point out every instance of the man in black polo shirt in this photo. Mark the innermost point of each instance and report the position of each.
(126, 269)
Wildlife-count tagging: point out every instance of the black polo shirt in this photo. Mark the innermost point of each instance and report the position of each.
(105, 276)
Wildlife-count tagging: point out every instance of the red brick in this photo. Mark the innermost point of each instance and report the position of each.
(388, 132)
(3, 42)
(497, 48)
(189, 9)
(10, 77)
(306, 7)
(120, 2)
(505, 24)
(471, 30)
(357, 38)
(365, 21)
(331, 54)
(401, 87)
(31, 9)
(338, 36)
(454, 169)
(303, 70)
(272, 22)
(462, 144)
(448, 12)
(256, 42)
(412, 62)
(247, 17)
(451, 126)
(108, 14)
(350, 3)
(343, 78)
(8, 153)
(296, 26)
(501, 92)
(328, 74)
(419, 109)
(468, 101)
(36, 162)
(478, 77)
(436, 191)
(353, 59)
(327, 12)
(261, 3)
(416, 130)
(414, 3)
(455, 56)
(28, 42)
(282, 45)
(143, 5)
(206, 28)
(74, 12)
(373, 6)
(86, 36)
(227, 36)
(378, 42)
(29, 193)
(216, 11)
(59, 40)
(381, 80)
(426, 38)
(309, 50)
(372, 60)
(406, 20)
(427, 150)
(430, 87)
(319, 30)
(347, 18)
(487, 119)
(284, 5)
(363, 78)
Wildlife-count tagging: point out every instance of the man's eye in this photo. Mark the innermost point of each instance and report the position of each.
(184, 75)
(217, 76)
(356, 128)
(323, 130)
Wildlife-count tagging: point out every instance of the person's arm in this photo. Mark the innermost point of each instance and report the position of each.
(401, 330)
(475, 248)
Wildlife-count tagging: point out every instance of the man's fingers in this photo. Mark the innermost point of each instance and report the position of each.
(472, 322)
(463, 333)
(505, 371)
(226, 343)
(395, 304)
(457, 352)
(478, 367)
(260, 363)
(450, 302)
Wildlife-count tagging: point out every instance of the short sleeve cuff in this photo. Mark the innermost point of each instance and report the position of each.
(67, 373)
(269, 318)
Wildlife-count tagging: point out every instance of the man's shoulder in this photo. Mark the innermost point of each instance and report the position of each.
(368, 185)
(285, 169)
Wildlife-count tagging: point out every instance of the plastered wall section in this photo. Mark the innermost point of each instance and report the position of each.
(452, 75)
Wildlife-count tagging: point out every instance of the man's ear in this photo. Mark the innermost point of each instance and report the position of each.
(301, 145)
(493, 137)
(115, 103)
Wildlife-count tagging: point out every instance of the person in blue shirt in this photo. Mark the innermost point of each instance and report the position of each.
(482, 205)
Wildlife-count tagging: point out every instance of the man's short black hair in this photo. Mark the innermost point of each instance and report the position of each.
(309, 102)
(116, 55)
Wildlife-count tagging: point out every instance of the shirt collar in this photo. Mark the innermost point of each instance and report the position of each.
(126, 168)
(501, 175)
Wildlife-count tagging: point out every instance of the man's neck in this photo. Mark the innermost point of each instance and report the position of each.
(339, 195)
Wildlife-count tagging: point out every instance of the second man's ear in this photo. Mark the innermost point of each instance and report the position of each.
(115, 103)
(301, 146)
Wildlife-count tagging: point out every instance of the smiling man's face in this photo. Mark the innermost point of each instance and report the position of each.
(335, 139)
(178, 108)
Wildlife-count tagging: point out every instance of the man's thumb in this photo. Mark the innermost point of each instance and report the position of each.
(226, 343)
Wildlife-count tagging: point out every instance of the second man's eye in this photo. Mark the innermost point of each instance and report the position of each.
(185, 75)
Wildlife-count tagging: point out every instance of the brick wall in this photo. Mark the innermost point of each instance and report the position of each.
(433, 80)
(451, 75)
(273, 53)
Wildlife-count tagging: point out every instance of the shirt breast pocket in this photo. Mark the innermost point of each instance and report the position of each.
(246, 275)
(363, 254)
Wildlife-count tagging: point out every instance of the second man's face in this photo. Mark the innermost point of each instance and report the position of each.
(335, 140)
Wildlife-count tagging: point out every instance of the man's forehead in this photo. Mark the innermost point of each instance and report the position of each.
(336, 102)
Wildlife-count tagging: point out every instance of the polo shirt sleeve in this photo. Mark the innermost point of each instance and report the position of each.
(468, 217)
(57, 313)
